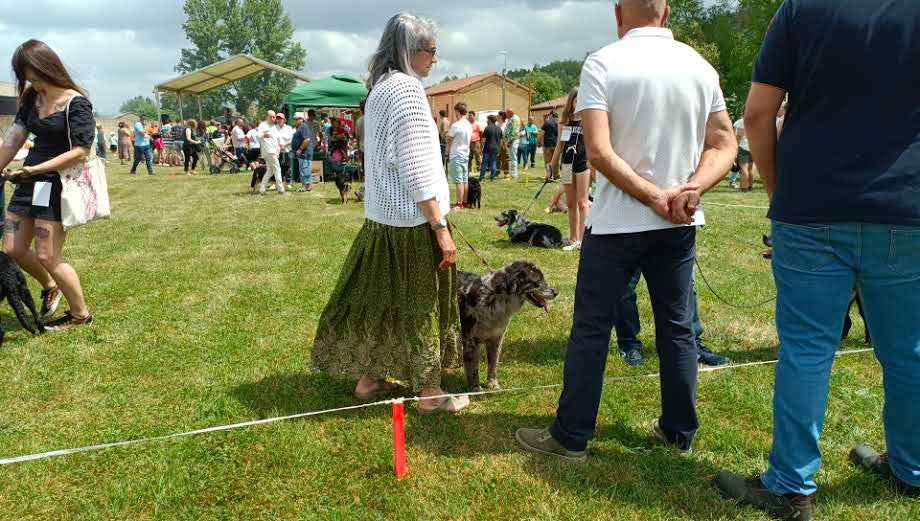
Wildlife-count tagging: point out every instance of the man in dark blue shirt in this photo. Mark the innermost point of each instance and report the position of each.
(844, 182)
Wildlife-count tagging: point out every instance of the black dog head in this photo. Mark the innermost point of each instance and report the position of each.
(527, 279)
(507, 217)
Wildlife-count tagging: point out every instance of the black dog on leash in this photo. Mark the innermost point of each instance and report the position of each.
(343, 183)
(13, 287)
(854, 299)
(474, 197)
(522, 231)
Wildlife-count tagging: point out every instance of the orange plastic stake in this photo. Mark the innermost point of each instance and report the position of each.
(399, 440)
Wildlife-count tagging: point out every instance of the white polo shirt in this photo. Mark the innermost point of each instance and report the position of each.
(461, 132)
(269, 138)
(659, 94)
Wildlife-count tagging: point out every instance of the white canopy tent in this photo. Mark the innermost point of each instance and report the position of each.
(217, 75)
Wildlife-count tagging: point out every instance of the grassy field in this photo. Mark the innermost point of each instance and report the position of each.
(206, 299)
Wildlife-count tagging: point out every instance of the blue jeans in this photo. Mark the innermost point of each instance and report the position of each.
(522, 154)
(532, 152)
(815, 268)
(607, 264)
(142, 152)
(305, 165)
(512, 157)
(240, 154)
(628, 326)
(489, 162)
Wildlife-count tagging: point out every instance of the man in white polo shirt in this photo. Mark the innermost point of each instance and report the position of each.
(656, 128)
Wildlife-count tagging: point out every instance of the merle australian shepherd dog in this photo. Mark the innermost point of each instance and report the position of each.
(487, 304)
(522, 231)
(13, 287)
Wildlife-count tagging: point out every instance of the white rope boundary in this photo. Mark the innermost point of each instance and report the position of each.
(103, 446)
(710, 203)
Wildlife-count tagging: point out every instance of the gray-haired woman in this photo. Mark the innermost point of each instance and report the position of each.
(394, 312)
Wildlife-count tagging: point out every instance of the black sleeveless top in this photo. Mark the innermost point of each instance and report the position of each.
(51, 132)
(574, 151)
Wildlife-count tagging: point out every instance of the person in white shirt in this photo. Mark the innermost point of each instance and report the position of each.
(253, 149)
(658, 133)
(458, 143)
(238, 138)
(394, 313)
(269, 140)
(744, 160)
(285, 136)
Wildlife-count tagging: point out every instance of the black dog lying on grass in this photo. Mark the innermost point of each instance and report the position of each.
(487, 304)
(522, 231)
(13, 287)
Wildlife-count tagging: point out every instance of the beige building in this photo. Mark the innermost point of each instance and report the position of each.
(540, 110)
(7, 105)
(481, 93)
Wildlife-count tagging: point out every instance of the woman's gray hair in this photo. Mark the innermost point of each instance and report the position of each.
(404, 35)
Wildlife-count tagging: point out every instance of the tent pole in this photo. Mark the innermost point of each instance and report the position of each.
(198, 98)
(181, 116)
(156, 99)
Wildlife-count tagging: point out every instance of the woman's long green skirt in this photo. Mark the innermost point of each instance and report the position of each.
(392, 313)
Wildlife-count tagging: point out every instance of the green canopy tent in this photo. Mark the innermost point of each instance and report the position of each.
(336, 91)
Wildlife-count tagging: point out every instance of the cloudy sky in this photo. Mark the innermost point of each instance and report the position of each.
(118, 49)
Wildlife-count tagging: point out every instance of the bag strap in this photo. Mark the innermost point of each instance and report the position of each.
(92, 148)
(67, 118)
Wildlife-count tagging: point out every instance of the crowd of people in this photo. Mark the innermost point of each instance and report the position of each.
(281, 152)
(649, 119)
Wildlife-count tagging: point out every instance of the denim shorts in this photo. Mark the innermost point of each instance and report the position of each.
(459, 170)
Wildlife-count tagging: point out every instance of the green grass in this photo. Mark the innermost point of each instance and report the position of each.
(206, 300)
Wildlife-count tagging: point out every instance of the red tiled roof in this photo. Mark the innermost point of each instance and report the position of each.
(551, 104)
(458, 85)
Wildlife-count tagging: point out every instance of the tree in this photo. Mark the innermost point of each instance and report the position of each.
(218, 29)
(545, 86)
(141, 106)
(449, 78)
(568, 72)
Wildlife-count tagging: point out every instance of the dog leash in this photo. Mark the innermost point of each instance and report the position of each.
(478, 255)
(540, 191)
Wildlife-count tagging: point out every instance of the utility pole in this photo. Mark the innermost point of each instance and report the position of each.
(504, 73)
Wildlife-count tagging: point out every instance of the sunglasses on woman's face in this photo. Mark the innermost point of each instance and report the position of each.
(433, 51)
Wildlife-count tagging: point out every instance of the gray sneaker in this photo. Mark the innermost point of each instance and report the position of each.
(752, 492)
(869, 459)
(542, 442)
(658, 432)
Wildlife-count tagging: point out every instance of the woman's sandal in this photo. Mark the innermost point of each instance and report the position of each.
(449, 404)
(385, 389)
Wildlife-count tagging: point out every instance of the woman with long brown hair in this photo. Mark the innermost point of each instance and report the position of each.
(570, 161)
(50, 102)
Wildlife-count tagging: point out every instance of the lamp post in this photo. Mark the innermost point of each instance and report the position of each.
(504, 72)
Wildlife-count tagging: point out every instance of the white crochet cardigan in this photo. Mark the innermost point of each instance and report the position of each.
(402, 153)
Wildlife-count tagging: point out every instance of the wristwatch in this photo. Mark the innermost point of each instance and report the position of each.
(440, 225)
